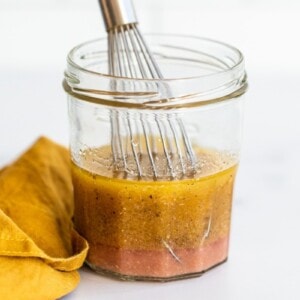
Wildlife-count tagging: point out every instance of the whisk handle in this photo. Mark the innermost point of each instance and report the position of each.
(117, 13)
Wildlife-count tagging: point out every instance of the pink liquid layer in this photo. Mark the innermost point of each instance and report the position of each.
(158, 263)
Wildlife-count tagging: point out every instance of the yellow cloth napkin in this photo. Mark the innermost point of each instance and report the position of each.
(39, 249)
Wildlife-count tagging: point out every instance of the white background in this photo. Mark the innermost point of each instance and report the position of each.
(35, 36)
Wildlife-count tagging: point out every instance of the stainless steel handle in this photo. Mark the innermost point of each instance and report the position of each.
(117, 13)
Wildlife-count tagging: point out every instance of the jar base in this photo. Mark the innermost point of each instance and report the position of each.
(125, 277)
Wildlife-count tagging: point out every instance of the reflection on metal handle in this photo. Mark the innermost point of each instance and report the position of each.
(117, 13)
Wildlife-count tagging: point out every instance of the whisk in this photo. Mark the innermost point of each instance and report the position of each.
(143, 144)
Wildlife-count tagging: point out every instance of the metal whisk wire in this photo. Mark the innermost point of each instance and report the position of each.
(129, 56)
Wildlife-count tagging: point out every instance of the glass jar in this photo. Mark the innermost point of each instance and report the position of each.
(154, 161)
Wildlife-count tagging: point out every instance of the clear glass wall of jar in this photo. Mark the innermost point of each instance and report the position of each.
(154, 161)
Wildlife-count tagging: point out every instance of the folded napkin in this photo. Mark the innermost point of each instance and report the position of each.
(39, 249)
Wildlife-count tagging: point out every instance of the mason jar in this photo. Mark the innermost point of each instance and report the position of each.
(154, 160)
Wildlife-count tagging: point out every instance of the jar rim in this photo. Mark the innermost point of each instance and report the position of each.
(71, 54)
(225, 76)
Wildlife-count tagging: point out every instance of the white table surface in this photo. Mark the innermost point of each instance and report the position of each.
(264, 253)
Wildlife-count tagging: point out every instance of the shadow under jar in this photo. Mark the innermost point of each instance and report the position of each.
(173, 223)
